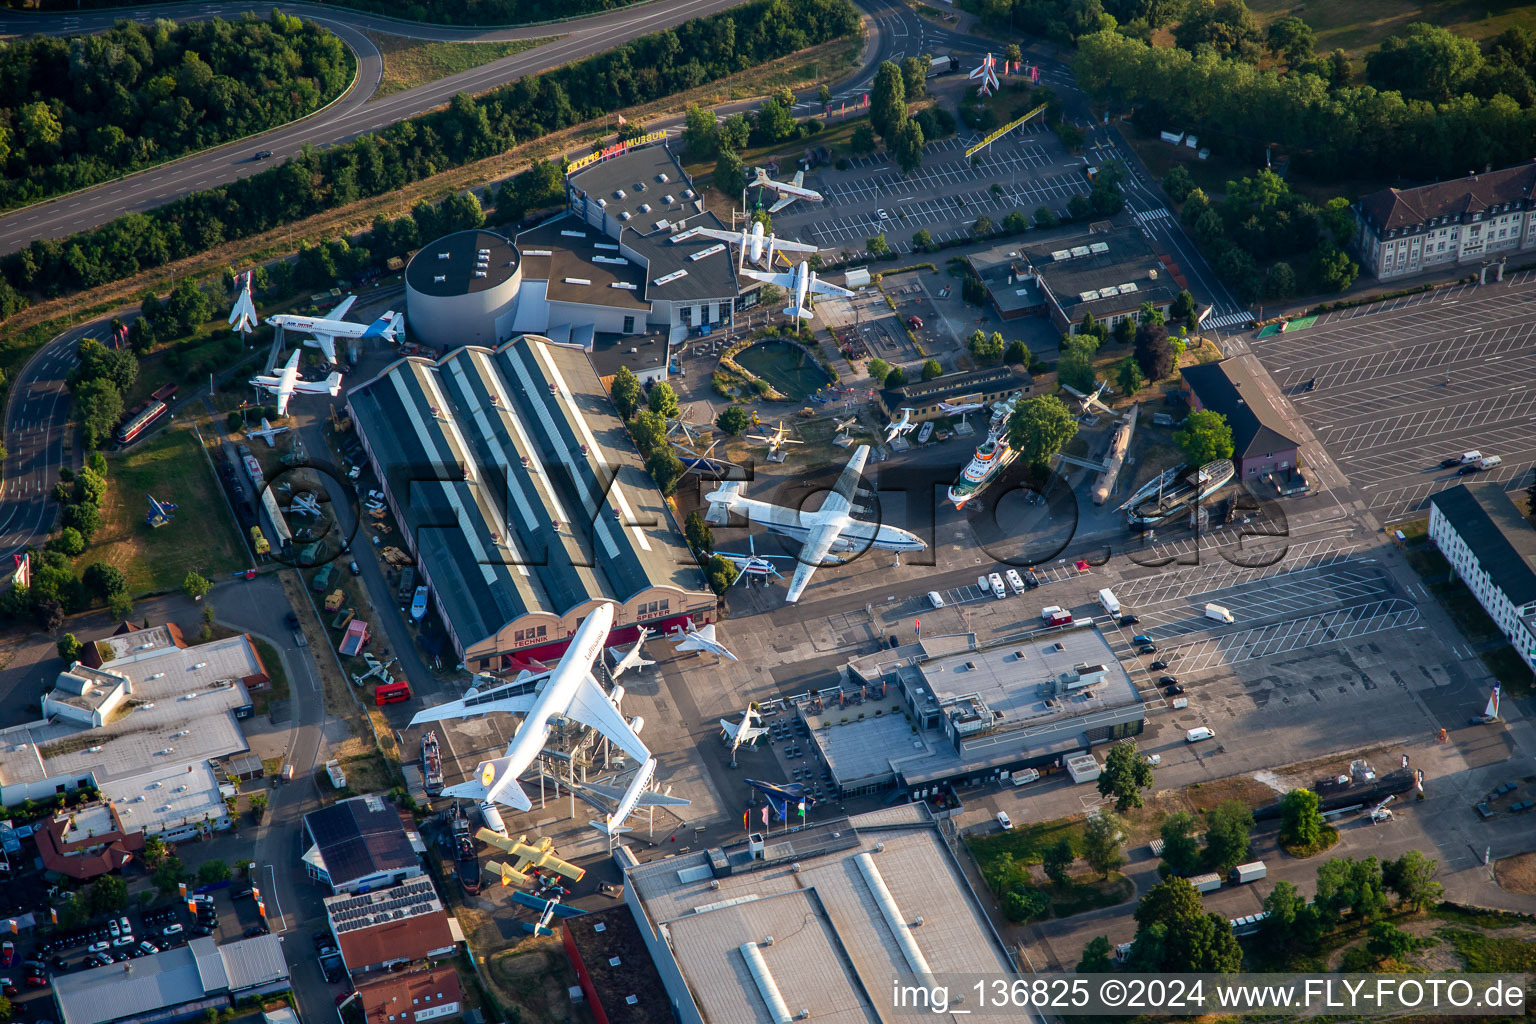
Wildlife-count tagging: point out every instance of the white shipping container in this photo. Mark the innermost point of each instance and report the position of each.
(1250, 872)
(1174, 138)
(1206, 883)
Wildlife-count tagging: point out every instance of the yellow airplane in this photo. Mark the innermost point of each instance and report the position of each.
(539, 855)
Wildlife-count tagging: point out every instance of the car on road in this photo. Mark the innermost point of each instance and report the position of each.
(9, 987)
(1129, 620)
(1173, 691)
(98, 947)
(122, 940)
(148, 947)
(1158, 665)
(103, 959)
(1005, 821)
(1168, 681)
(915, 322)
(1154, 759)
(1470, 467)
(1031, 581)
(8, 954)
(1147, 649)
(1015, 581)
(262, 154)
(936, 599)
(36, 981)
(1450, 463)
(881, 215)
(292, 620)
(255, 930)
(125, 925)
(1141, 638)
(171, 929)
(352, 565)
(202, 930)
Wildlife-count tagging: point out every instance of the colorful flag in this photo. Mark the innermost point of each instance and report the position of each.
(765, 815)
(53, 914)
(621, 120)
(256, 894)
(802, 808)
(182, 886)
(746, 821)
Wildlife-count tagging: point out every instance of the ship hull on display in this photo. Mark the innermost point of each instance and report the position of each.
(431, 764)
(1177, 492)
(991, 458)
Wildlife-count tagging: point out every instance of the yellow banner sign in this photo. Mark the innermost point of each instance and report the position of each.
(1004, 130)
(614, 150)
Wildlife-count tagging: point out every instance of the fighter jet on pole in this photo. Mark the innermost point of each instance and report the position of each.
(900, 427)
(986, 74)
(243, 317)
(288, 384)
(325, 331)
(1086, 403)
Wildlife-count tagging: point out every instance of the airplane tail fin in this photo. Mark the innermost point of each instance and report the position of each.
(722, 500)
(494, 781)
(333, 384)
(383, 327)
(799, 311)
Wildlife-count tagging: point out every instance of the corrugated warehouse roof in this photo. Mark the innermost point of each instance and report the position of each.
(516, 477)
(188, 973)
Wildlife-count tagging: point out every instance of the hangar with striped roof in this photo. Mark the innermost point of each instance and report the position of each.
(524, 500)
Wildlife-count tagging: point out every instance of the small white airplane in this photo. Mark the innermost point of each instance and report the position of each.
(745, 731)
(243, 317)
(801, 283)
(899, 427)
(304, 504)
(788, 190)
(701, 640)
(325, 330)
(960, 408)
(568, 691)
(287, 384)
(777, 438)
(267, 432)
(1087, 403)
(753, 245)
(986, 73)
(632, 657)
(845, 426)
(829, 529)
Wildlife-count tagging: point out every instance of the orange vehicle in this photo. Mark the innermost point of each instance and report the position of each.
(391, 693)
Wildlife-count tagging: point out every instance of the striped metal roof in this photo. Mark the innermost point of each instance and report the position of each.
(519, 483)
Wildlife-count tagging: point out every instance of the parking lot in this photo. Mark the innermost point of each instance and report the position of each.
(1022, 171)
(1402, 385)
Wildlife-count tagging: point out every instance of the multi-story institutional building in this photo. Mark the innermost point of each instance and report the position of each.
(1492, 547)
(1407, 231)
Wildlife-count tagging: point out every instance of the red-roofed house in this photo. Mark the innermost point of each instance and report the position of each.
(388, 928)
(432, 993)
(87, 842)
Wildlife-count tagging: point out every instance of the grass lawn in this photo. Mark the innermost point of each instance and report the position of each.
(1491, 954)
(1329, 837)
(412, 62)
(275, 672)
(172, 467)
(1360, 24)
(1090, 892)
(1026, 844)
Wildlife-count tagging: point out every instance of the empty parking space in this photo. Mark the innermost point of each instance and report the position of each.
(1292, 635)
(1392, 389)
(1291, 595)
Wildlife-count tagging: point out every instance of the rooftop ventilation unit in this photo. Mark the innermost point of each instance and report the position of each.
(689, 193)
(618, 193)
(668, 200)
(442, 255)
(663, 178)
(645, 207)
(621, 284)
(440, 278)
(538, 252)
(577, 280)
(573, 234)
(623, 215)
(702, 253)
(1098, 247)
(667, 278)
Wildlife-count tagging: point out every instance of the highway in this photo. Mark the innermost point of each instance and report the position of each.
(343, 121)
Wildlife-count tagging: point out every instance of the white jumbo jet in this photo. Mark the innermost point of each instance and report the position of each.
(801, 283)
(789, 191)
(900, 427)
(267, 432)
(702, 640)
(325, 330)
(753, 244)
(829, 529)
(568, 691)
(286, 385)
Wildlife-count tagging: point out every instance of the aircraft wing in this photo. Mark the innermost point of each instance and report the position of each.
(782, 280)
(518, 705)
(782, 203)
(327, 345)
(823, 288)
(841, 498)
(812, 554)
(780, 245)
(591, 707)
(716, 233)
(342, 308)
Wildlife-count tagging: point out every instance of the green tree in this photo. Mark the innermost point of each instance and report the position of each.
(105, 581)
(1386, 941)
(734, 132)
(1178, 183)
(914, 76)
(1024, 903)
(101, 407)
(627, 393)
(1226, 25)
(665, 468)
(877, 246)
(1098, 957)
(1128, 376)
(987, 348)
(730, 173)
(1057, 860)
(733, 419)
(1228, 831)
(907, 146)
(1045, 217)
(649, 431)
(1182, 308)
(824, 95)
(1301, 819)
(195, 586)
(1016, 354)
(699, 536)
(154, 851)
(1175, 934)
(921, 239)
(1339, 219)
(212, 871)
(6, 1010)
(109, 895)
(1204, 437)
(887, 101)
(663, 400)
(69, 648)
(1412, 878)
(1291, 925)
(1291, 39)
(982, 227)
(878, 370)
(1101, 843)
(1152, 352)
(1279, 281)
(721, 572)
(701, 136)
(896, 378)
(775, 121)
(69, 542)
(1180, 851)
(1333, 267)
(1349, 887)
(1041, 427)
(1075, 367)
(862, 141)
(1125, 774)
(1425, 62)
(932, 369)
(120, 606)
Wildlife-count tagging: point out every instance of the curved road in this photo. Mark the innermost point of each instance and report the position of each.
(344, 120)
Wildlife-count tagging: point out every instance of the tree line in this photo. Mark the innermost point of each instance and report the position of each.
(469, 129)
(487, 13)
(1434, 104)
(77, 111)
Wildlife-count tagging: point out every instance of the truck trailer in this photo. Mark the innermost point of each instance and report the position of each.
(1250, 872)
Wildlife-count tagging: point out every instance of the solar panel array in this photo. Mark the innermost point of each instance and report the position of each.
(418, 896)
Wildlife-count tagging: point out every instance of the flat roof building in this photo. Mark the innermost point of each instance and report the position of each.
(821, 922)
(178, 984)
(386, 928)
(968, 387)
(360, 842)
(524, 501)
(980, 712)
(87, 842)
(1492, 547)
(173, 802)
(462, 289)
(614, 967)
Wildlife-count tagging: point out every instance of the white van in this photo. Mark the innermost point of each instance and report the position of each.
(1218, 613)
(1196, 735)
(1110, 602)
(998, 590)
(935, 599)
(983, 586)
(1005, 821)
